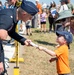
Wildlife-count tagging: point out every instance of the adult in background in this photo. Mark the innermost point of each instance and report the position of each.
(39, 6)
(66, 19)
(8, 23)
(70, 6)
(12, 2)
(63, 6)
(51, 17)
(6, 5)
(44, 6)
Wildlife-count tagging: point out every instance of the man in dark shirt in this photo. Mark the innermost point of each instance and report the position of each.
(8, 22)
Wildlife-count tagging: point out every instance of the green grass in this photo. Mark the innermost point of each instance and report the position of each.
(37, 62)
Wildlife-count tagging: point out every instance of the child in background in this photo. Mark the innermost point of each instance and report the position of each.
(28, 27)
(43, 17)
(61, 54)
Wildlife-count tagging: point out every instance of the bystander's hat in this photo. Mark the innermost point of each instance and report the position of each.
(63, 15)
(67, 35)
(29, 7)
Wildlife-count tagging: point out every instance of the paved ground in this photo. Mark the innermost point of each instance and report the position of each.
(10, 70)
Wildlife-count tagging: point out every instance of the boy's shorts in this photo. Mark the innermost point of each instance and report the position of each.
(28, 27)
(64, 74)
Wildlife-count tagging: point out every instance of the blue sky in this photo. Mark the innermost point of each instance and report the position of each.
(44, 1)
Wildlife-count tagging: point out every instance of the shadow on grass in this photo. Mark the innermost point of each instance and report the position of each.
(36, 31)
(46, 43)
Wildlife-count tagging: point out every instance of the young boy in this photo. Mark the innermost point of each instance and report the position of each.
(28, 27)
(61, 54)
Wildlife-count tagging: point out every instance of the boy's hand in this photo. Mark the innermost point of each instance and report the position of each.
(57, 46)
(52, 59)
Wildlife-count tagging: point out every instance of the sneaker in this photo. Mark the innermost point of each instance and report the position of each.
(44, 31)
(49, 31)
(27, 34)
(30, 33)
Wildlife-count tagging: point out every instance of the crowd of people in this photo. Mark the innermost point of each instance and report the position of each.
(47, 13)
(61, 22)
(51, 13)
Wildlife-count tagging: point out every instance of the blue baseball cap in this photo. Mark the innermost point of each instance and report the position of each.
(67, 35)
(29, 7)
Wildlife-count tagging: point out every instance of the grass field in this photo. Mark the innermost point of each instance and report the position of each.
(37, 62)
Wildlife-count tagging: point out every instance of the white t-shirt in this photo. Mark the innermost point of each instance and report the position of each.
(63, 7)
(44, 6)
(53, 12)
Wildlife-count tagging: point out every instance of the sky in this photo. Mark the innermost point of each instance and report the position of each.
(44, 1)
